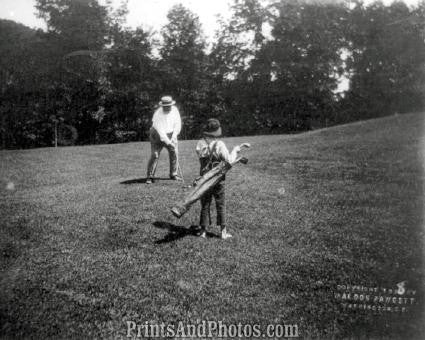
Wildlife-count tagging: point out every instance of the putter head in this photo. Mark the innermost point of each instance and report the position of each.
(176, 212)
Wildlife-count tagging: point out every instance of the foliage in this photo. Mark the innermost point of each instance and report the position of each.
(273, 67)
(293, 75)
(183, 65)
(387, 59)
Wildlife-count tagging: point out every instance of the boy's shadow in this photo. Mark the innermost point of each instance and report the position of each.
(143, 180)
(176, 232)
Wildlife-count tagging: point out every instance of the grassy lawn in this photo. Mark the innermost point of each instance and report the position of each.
(86, 245)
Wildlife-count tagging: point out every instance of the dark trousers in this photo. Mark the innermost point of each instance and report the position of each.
(156, 147)
(218, 192)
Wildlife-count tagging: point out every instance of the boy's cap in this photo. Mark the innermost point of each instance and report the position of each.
(212, 128)
(166, 101)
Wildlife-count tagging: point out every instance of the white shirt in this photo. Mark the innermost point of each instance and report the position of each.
(203, 150)
(165, 123)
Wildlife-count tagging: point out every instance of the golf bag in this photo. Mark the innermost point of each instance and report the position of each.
(203, 184)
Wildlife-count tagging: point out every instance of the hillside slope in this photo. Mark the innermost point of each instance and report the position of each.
(87, 246)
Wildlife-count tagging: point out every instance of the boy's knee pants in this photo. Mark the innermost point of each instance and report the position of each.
(218, 192)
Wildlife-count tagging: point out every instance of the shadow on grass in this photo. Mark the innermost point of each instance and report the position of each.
(143, 180)
(176, 232)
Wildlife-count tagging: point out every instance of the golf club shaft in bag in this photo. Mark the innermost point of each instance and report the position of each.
(203, 185)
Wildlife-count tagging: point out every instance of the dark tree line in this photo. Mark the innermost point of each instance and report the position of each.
(274, 67)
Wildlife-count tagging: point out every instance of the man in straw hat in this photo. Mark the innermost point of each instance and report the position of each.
(166, 126)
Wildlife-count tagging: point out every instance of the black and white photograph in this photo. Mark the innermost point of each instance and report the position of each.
(212, 169)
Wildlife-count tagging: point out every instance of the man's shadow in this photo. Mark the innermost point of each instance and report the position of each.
(143, 180)
(176, 232)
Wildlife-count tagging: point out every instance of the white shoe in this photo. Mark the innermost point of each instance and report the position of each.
(225, 235)
(202, 232)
